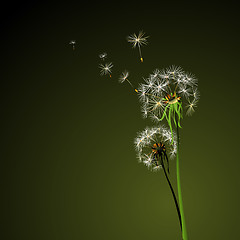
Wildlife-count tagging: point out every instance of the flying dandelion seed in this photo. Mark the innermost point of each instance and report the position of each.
(73, 43)
(124, 77)
(106, 69)
(103, 56)
(138, 41)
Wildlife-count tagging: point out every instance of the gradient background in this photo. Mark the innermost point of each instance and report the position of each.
(69, 169)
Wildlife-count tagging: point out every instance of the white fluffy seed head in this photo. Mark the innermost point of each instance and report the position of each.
(150, 136)
(161, 83)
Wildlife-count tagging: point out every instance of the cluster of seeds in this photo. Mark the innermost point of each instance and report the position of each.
(136, 41)
(166, 88)
(154, 143)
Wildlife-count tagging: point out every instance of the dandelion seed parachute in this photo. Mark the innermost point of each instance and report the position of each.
(124, 77)
(106, 69)
(72, 42)
(138, 41)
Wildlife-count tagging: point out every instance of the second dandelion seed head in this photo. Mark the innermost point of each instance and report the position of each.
(154, 145)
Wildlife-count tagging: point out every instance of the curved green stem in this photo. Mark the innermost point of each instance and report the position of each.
(184, 229)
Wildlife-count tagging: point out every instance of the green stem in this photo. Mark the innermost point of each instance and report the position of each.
(184, 229)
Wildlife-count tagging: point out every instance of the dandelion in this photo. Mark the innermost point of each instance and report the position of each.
(166, 91)
(153, 146)
(138, 41)
(165, 95)
(106, 69)
(73, 43)
(103, 56)
(153, 138)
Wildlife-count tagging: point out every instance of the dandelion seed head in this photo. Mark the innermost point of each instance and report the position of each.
(170, 86)
(149, 137)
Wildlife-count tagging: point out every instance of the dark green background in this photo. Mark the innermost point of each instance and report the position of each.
(69, 169)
